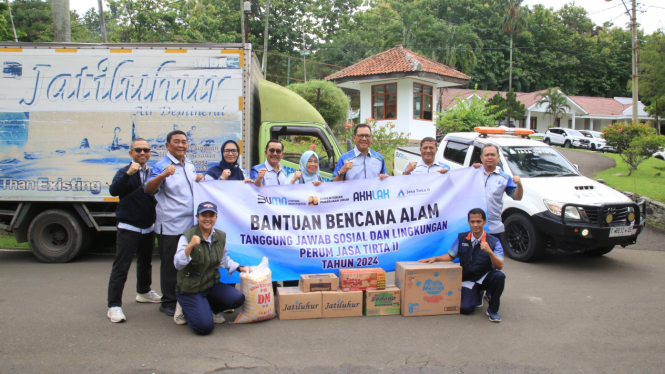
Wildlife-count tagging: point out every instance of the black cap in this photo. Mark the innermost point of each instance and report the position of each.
(206, 206)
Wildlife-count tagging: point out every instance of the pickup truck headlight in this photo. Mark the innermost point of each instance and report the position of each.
(555, 208)
(631, 214)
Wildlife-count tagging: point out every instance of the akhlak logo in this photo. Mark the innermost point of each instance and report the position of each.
(272, 200)
(400, 194)
(371, 195)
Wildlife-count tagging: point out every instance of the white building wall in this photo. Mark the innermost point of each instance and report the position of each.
(405, 123)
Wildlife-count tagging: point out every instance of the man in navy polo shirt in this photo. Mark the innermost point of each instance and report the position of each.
(361, 162)
(136, 217)
(481, 258)
(171, 181)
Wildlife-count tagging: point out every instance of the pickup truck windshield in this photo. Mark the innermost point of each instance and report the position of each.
(534, 162)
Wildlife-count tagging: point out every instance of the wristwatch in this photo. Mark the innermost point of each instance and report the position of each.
(238, 268)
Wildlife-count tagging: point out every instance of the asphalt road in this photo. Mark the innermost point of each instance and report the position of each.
(566, 314)
(589, 163)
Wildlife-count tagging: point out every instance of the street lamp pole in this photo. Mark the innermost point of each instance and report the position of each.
(304, 54)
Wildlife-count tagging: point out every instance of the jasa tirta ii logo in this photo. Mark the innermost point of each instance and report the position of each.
(313, 200)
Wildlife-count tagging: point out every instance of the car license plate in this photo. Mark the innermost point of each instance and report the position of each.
(621, 231)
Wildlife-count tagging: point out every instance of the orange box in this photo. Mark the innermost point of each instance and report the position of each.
(362, 279)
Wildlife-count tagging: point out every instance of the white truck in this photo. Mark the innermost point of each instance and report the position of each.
(595, 217)
(68, 113)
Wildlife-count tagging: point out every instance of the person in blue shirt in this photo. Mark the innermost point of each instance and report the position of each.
(427, 162)
(271, 172)
(481, 258)
(309, 170)
(361, 162)
(228, 168)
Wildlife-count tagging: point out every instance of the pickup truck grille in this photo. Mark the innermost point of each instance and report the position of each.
(620, 215)
(580, 188)
(584, 141)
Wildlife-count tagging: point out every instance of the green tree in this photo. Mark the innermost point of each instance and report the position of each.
(634, 142)
(556, 102)
(146, 20)
(34, 20)
(333, 105)
(652, 68)
(212, 21)
(497, 102)
(514, 109)
(466, 114)
(657, 110)
(513, 21)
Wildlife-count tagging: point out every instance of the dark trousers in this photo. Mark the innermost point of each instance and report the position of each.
(128, 244)
(199, 307)
(168, 245)
(493, 284)
(502, 238)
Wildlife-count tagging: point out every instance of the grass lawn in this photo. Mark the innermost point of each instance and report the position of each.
(8, 241)
(648, 180)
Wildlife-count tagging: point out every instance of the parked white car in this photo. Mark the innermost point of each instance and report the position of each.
(595, 216)
(596, 141)
(660, 154)
(567, 138)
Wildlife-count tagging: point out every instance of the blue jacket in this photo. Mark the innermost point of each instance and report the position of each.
(475, 263)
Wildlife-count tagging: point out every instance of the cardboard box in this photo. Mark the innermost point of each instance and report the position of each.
(342, 304)
(429, 289)
(362, 279)
(382, 302)
(318, 282)
(292, 303)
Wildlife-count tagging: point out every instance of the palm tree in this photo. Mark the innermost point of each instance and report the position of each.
(556, 102)
(456, 46)
(513, 22)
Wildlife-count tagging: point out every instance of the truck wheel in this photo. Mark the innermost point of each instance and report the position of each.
(567, 144)
(597, 252)
(525, 243)
(56, 236)
(547, 141)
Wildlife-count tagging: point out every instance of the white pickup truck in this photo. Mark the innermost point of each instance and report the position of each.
(596, 217)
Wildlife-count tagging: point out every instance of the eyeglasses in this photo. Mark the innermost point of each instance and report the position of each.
(364, 136)
(142, 150)
(230, 151)
(275, 150)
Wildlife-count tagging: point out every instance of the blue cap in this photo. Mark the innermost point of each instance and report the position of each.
(206, 206)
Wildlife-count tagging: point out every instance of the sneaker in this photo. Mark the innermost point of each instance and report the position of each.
(479, 301)
(494, 317)
(168, 310)
(179, 316)
(150, 297)
(116, 315)
(229, 311)
(218, 318)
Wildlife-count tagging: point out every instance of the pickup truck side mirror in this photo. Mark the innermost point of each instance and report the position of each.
(349, 145)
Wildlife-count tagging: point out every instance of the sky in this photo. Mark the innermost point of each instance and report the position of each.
(650, 14)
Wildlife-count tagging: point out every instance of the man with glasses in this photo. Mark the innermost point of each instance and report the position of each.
(171, 181)
(136, 217)
(270, 173)
(361, 162)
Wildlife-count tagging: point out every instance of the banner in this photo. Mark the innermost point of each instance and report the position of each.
(304, 229)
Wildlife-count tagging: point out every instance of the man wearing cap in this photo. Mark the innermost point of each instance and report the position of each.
(360, 162)
(201, 252)
(427, 162)
(481, 258)
(171, 181)
(136, 217)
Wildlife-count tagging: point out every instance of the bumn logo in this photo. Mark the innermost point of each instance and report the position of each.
(272, 200)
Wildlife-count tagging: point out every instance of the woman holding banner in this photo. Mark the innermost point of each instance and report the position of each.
(309, 170)
(228, 168)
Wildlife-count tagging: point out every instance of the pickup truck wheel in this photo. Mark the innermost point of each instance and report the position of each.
(567, 144)
(597, 252)
(525, 243)
(56, 236)
(547, 141)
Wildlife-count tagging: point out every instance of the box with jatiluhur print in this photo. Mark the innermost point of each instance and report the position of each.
(429, 289)
(362, 279)
(382, 302)
(342, 304)
(318, 282)
(292, 303)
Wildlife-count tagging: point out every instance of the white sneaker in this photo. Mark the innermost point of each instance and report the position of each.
(179, 316)
(218, 318)
(116, 315)
(150, 297)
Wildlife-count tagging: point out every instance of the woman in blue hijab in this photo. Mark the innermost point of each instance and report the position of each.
(309, 170)
(228, 168)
